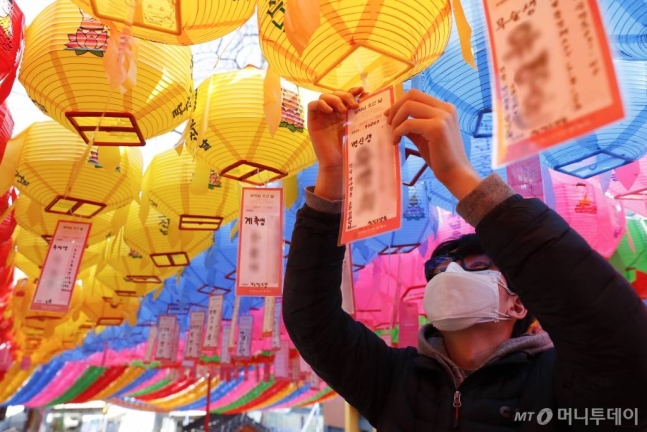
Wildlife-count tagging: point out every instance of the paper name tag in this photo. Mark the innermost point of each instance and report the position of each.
(165, 338)
(214, 316)
(554, 79)
(150, 344)
(268, 316)
(244, 345)
(347, 286)
(371, 171)
(260, 243)
(276, 325)
(194, 338)
(58, 276)
(225, 357)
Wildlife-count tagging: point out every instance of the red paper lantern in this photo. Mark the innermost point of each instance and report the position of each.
(6, 128)
(12, 24)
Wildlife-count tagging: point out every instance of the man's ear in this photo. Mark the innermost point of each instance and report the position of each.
(516, 309)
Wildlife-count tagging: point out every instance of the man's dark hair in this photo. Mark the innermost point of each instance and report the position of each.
(469, 244)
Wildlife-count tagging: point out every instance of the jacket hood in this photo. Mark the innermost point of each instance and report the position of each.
(431, 344)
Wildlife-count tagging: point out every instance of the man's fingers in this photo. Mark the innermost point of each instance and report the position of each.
(416, 110)
(335, 102)
(422, 127)
(418, 96)
(320, 105)
(348, 99)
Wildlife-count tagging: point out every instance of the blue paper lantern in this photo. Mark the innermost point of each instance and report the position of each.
(612, 146)
(626, 24)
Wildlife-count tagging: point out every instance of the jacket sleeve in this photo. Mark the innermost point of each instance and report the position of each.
(597, 322)
(353, 360)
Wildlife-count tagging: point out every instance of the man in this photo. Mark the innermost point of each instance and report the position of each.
(474, 369)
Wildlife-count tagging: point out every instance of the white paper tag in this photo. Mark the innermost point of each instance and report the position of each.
(373, 192)
(347, 290)
(213, 323)
(315, 381)
(234, 319)
(225, 357)
(276, 325)
(282, 361)
(244, 345)
(165, 336)
(61, 267)
(176, 342)
(260, 243)
(194, 338)
(150, 344)
(268, 316)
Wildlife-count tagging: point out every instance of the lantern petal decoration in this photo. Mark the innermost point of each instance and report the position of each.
(163, 242)
(229, 132)
(612, 146)
(51, 154)
(637, 190)
(64, 75)
(452, 80)
(627, 25)
(171, 192)
(101, 224)
(178, 22)
(361, 43)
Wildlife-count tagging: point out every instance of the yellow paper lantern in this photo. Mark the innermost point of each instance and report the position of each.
(125, 286)
(160, 240)
(358, 43)
(178, 22)
(236, 142)
(34, 248)
(52, 158)
(63, 73)
(170, 187)
(46, 222)
(105, 308)
(28, 267)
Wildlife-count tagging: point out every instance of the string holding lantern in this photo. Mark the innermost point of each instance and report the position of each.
(365, 43)
(234, 139)
(180, 22)
(53, 173)
(193, 200)
(64, 74)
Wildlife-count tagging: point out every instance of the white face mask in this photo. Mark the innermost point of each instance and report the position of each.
(457, 299)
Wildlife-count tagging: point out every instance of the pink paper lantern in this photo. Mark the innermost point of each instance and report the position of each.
(595, 216)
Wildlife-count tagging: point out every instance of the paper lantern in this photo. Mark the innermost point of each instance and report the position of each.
(63, 73)
(629, 183)
(134, 266)
(595, 216)
(104, 308)
(180, 22)
(612, 146)
(6, 128)
(8, 163)
(162, 241)
(44, 224)
(124, 286)
(172, 190)
(626, 23)
(12, 22)
(53, 157)
(237, 143)
(452, 80)
(631, 255)
(374, 44)
(35, 248)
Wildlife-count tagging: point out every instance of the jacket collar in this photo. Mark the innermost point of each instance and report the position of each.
(514, 350)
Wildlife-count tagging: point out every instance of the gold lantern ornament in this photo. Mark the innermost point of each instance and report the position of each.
(348, 44)
(31, 216)
(152, 234)
(196, 201)
(57, 172)
(176, 22)
(64, 73)
(229, 130)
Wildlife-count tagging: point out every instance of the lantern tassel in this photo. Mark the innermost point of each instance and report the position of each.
(272, 100)
(464, 33)
(302, 19)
